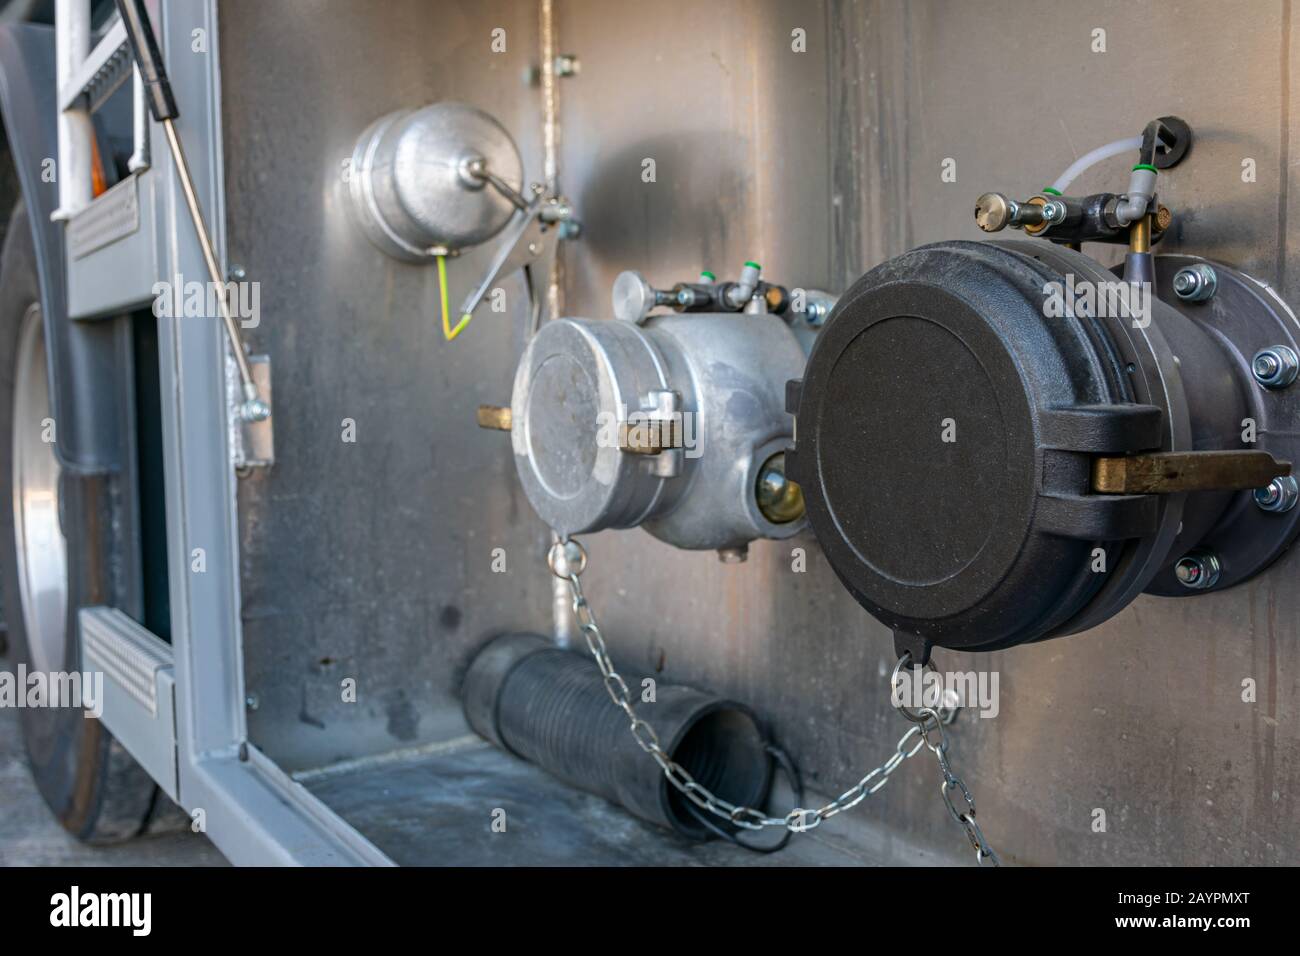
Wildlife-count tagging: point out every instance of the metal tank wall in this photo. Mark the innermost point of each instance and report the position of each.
(369, 560)
(817, 164)
(835, 164)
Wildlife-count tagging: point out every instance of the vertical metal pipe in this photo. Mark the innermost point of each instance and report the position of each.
(1139, 235)
(550, 106)
(550, 136)
(563, 623)
(140, 124)
(72, 48)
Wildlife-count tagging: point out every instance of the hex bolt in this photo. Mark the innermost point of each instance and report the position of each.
(817, 307)
(254, 410)
(1197, 570)
(1195, 283)
(1275, 366)
(1279, 495)
(1053, 211)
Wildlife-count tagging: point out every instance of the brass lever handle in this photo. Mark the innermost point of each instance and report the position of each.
(1163, 473)
(648, 437)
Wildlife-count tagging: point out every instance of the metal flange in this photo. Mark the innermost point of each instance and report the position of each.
(1244, 316)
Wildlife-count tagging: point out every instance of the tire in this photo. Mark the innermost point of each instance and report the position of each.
(93, 786)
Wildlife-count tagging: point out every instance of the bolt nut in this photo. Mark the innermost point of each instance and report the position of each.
(567, 64)
(254, 410)
(1279, 495)
(1275, 366)
(817, 307)
(1197, 570)
(1195, 283)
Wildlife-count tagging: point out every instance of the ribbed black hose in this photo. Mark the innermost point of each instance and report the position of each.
(550, 707)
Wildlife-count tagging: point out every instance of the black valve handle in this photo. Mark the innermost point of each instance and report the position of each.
(162, 104)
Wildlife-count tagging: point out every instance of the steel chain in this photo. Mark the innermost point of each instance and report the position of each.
(927, 730)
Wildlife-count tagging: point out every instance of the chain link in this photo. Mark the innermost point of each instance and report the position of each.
(567, 559)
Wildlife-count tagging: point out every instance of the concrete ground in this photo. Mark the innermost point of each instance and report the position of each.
(30, 836)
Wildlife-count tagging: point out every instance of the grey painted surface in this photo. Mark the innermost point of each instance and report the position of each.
(371, 560)
(30, 836)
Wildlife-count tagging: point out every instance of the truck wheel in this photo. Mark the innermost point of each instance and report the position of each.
(55, 545)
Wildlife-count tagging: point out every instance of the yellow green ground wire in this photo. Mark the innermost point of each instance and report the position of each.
(448, 332)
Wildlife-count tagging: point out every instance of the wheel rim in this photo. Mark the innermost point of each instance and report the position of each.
(38, 537)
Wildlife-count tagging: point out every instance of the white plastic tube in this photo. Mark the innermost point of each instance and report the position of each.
(1090, 159)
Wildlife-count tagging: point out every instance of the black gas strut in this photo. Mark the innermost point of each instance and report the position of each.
(162, 105)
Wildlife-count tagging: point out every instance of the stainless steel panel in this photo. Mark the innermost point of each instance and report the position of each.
(373, 560)
(370, 560)
(1142, 718)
